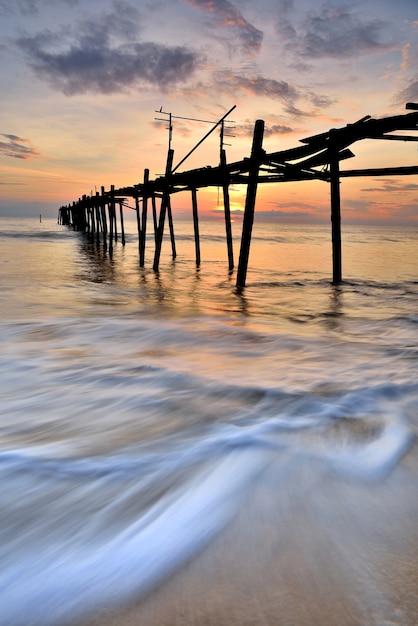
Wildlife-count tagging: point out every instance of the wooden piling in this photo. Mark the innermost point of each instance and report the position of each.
(122, 223)
(110, 208)
(164, 203)
(334, 164)
(154, 216)
(92, 219)
(143, 234)
(138, 222)
(115, 225)
(171, 228)
(104, 219)
(83, 217)
(196, 226)
(247, 225)
(98, 216)
(227, 212)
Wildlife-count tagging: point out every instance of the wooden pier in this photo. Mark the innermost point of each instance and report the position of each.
(318, 158)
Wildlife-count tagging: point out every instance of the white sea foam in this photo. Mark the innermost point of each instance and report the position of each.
(65, 580)
(138, 412)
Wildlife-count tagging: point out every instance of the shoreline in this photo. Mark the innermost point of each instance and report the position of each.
(329, 552)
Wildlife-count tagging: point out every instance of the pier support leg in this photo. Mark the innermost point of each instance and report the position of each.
(122, 223)
(154, 216)
(115, 231)
(98, 217)
(138, 223)
(92, 223)
(171, 228)
(111, 209)
(247, 225)
(144, 221)
(335, 217)
(165, 202)
(227, 211)
(196, 226)
(104, 220)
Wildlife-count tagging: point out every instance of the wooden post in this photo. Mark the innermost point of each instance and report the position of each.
(171, 227)
(247, 225)
(164, 203)
(122, 224)
(111, 209)
(335, 212)
(83, 217)
(92, 221)
(72, 212)
(196, 226)
(154, 216)
(104, 220)
(138, 221)
(114, 215)
(227, 212)
(143, 235)
(98, 216)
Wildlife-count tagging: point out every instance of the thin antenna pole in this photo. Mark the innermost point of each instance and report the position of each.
(170, 131)
(203, 138)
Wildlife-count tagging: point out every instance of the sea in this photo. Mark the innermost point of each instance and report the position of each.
(174, 450)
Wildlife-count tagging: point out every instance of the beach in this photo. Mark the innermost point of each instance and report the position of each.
(318, 554)
(175, 451)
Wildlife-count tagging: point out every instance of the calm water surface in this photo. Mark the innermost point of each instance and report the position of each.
(180, 452)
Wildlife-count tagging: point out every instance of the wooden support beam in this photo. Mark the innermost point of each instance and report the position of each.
(227, 212)
(144, 220)
(164, 204)
(335, 213)
(154, 216)
(406, 170)
(98, 216)
(122, 223)
(256, 155)
(171, 227)
(115, 233)
(138, 222)
(111, 210)
(93, 227)
(104, 219)
(196, 226)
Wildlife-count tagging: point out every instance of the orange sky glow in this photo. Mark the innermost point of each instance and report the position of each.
(84, 82)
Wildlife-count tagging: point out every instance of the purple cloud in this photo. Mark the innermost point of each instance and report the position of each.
(15, 148)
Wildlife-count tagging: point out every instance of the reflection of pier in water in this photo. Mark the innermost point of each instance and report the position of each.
(317, 159)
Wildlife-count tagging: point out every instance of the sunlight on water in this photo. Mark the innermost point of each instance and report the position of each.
(252, 450)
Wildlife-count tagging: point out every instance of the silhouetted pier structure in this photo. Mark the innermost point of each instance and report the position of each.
(317, 159)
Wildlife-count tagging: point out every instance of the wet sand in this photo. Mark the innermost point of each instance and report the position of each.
(307, 549)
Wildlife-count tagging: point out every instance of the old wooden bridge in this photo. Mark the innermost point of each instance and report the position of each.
(317, 159)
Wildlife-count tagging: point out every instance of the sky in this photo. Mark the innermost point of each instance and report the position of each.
(81, 83)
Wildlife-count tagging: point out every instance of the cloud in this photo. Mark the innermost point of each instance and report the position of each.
(378, 212)
(297, 213)
(258, 86)
(29, 7)
(16, 149)
(388, 185)
(102, 56)
(246, 129)
(24, 7)
(333, 31)
(409, 93)
(226, 15)
(289, 95)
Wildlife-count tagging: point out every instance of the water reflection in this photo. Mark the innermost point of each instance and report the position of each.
(333, 317)
(96, 263)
